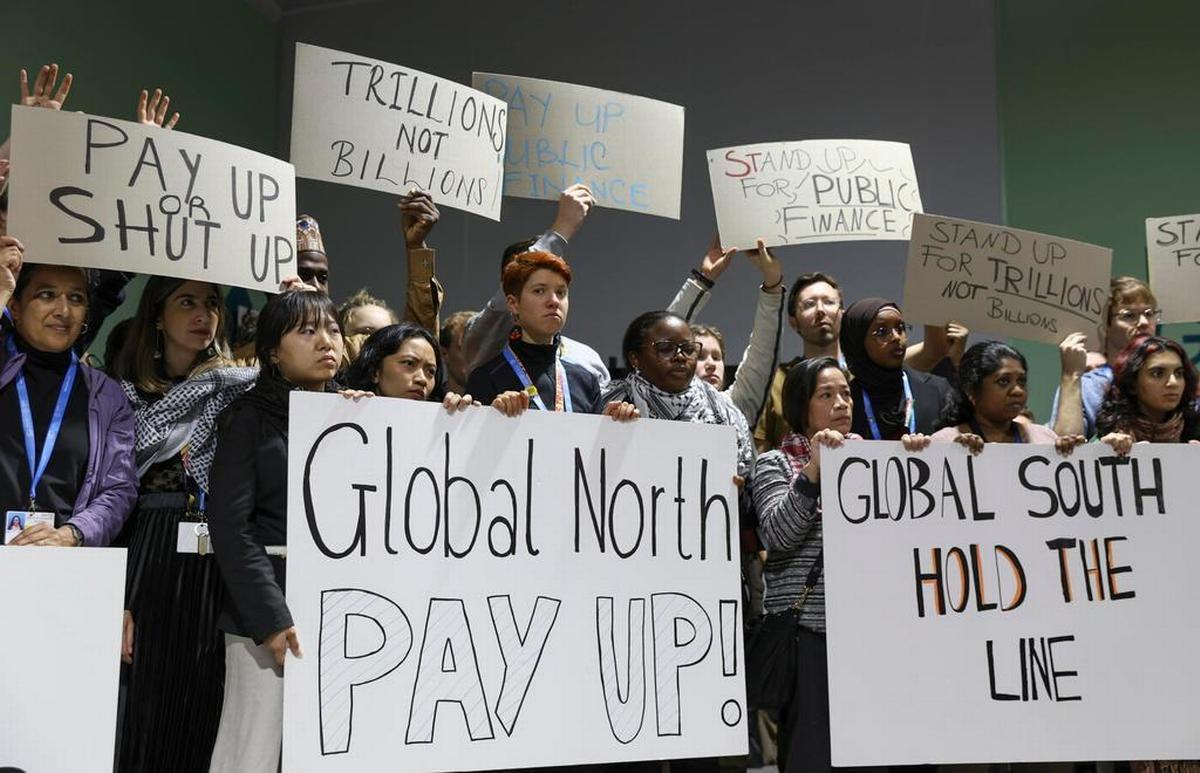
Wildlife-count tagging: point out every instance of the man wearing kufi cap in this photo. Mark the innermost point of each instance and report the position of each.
(312, 264)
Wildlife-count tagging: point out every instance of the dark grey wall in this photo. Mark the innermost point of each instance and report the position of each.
(919, 72)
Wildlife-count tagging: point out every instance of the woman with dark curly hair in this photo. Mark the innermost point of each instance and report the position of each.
(1152, 398)
(989, 399)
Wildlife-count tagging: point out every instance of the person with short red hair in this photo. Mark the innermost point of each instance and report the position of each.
(530, 371)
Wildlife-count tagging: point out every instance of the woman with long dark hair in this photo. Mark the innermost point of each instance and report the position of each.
(170, 366)
(1152, 398)
(989, 400)
(892, 400)
(403, 361)
(299, 346)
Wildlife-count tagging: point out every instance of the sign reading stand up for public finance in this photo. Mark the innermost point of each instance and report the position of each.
(102, 193)
(61, 643)
(372, 124)
(1015, 606)
(480, 592)
(628, 150)
(1173, 257)
(813, 191)
(1005, 281)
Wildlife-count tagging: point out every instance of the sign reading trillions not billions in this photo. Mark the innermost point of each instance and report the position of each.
(368, 123)
(477, 592)
(1000, 608)
(628, 150)
(1173, 256)
(813, 191)
(1005, 281)
(102, 193)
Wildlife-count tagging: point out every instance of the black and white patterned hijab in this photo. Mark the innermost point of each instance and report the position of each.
(700, 403)
(185, 416)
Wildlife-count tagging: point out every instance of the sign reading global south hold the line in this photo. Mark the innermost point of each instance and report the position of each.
(372, 124)
(101, 193)
(628, 150)
(813, 191)
(1173, 257)
(1005, 281)
(1011, 606)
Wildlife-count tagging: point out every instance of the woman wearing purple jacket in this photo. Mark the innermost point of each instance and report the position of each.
(66, 430)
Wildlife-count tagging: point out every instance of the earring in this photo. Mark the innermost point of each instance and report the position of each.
(158, 343)
(83, 329)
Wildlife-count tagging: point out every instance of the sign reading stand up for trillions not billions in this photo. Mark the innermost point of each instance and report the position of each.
(480, 592)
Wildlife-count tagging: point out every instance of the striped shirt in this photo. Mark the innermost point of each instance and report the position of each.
(789, 525)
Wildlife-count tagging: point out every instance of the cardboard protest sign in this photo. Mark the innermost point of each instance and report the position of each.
(813, 191)
(102, 193)
(477, 592)
(368, 123)
(628, 150)
(1173, 257)
(61, 644)
(1005, 281)
(1001, 608)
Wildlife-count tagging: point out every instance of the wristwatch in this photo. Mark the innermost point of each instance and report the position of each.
(78, 534)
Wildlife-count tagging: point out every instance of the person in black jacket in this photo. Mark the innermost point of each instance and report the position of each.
(299, 346)
(890, 400)
(530, 371)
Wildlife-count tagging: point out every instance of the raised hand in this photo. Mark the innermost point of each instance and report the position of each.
(12, 252)
(152, 109)
(1072, 353)
(716, 259)
(573, 207)
(766, 263)
(44, 93)
(418, 216)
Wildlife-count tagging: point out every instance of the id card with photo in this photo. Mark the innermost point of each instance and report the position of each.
(17, 520)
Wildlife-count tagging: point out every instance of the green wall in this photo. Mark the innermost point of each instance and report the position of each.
(1099, 102)
(218, 60)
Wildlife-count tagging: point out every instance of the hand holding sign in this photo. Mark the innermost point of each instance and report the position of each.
(574, 204)
(418, 216)
(11, 251)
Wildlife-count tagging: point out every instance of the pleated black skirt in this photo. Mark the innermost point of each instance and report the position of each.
(177, 679)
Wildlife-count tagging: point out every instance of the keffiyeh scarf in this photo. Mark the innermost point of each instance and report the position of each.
(185, 417)
(700, 403)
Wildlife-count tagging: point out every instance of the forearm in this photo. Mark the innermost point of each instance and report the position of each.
(751, 387)
(423, 293)
(692, 296)
(1068, 415)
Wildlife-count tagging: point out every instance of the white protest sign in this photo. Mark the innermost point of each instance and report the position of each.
(363, 122)
(102, 193)
(61, 644)
(1173, 257)
(1005, 281)
(480, 592)
(813, 191)
(1017, 606)
(628, 150)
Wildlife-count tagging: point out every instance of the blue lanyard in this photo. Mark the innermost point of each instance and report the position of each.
(910, 408)
(38, 465)
(562, 388)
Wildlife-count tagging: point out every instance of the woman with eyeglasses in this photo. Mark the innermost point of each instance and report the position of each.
(892, 400)
(530, 371)
(661, 351)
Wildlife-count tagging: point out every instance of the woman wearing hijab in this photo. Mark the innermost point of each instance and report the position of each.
(891, 399)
